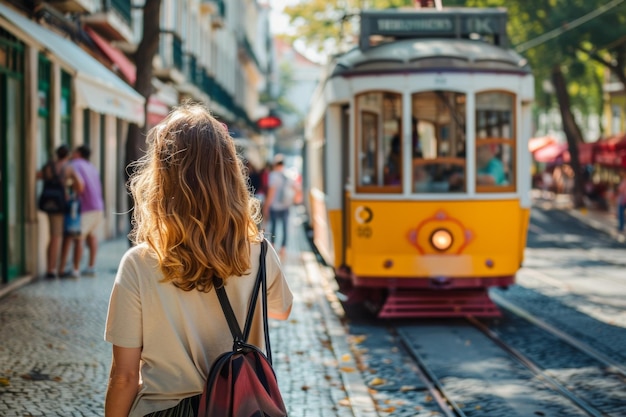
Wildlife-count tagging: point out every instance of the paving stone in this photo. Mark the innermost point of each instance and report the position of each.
(56, 328)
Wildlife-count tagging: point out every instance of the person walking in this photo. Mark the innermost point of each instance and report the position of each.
(91, 215)
(279, 199)
(621, 202)
(194, 220)
(60, 171)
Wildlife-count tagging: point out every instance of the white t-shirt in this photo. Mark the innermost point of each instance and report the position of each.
(284, 188)
(182, 332)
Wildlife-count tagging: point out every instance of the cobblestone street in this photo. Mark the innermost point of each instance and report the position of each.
(54, 361)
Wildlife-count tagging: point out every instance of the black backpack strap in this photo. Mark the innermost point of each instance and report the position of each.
(235, 330)
(255, 294)
(266, 330)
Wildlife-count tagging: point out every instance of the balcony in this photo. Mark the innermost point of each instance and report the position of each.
(170, 62)
(75, 6)
(216, 9)
(113, 21)
(246, 53)
(192, 84)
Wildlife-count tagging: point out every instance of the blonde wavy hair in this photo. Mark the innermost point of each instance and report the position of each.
(192, 202)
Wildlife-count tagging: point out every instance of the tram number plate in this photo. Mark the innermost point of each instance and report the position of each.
(364, 232)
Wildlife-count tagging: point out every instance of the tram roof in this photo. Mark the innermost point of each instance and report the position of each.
(427, 55)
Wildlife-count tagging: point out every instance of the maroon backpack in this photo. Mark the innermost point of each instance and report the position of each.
(241, 382)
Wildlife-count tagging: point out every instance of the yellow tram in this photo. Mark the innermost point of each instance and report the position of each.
(416, 162)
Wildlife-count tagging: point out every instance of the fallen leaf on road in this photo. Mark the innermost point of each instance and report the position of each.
(344, 402)
(377, 381)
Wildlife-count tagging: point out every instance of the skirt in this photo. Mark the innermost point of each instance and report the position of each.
(186, 408)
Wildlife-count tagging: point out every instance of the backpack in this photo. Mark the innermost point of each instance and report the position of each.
(52, 198)
(285, 195)
(242, 382)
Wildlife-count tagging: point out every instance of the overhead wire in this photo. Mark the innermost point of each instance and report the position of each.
(566, 27)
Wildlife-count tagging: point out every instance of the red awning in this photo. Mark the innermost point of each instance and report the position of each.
(553, 153)
(157, 111)
(612, 143)
(611, 152)
(124, 65)
(586, 153)
(534, 144)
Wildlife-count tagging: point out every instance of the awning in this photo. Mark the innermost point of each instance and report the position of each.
(534, 144)
(157, 110)
(586, 152)
(96, 87)
(125, 65)
(554, 153)
(611, 152)
(612, 143)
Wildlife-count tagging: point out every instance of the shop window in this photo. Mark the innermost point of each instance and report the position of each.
(66, 107)
(11, 54)
(46, 150)
(495, 142)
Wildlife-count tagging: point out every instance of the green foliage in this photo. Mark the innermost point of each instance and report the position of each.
(324, 25)
(582, 37)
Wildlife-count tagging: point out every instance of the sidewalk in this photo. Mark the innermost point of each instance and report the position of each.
(605, 221)
(55, 361)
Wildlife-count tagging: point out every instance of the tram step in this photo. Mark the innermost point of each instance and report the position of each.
(439, 304)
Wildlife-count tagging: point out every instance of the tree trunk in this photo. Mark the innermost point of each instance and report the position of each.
(572, 132)
(143, 58)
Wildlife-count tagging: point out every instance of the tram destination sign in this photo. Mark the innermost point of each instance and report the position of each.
(451, 23)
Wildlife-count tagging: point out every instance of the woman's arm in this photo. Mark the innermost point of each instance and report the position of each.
(78, 185)
(277, 316)
(123, 381)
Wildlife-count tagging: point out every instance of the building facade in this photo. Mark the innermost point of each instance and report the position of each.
(67, 75)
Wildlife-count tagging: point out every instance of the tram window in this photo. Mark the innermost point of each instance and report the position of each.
(438, 142)
(495, 142)
(379, 144)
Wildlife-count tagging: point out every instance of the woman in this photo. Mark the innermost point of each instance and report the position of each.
(62, 172)
(193, 219)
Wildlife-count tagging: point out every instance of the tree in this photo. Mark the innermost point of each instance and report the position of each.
(315, 21)
(557, 38)
(143, 57)
(565, 42)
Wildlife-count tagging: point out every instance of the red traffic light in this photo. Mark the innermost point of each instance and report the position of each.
(269, 122)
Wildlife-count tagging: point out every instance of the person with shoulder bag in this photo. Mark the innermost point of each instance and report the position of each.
(196, 244)
(53, 200)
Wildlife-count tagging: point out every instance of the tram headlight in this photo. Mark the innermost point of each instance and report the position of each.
(441, 239)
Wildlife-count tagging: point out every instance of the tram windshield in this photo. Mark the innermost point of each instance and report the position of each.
(437, 144)
(495, 142)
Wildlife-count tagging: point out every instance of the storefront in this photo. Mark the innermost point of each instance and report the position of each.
(12, 250)
(52, 92)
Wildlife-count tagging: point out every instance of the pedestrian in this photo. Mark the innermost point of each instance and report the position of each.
(194, 219)
(58, 170)
(256, 181)
(621, 202)
(489, 168)
(280, 194)
(91, 215)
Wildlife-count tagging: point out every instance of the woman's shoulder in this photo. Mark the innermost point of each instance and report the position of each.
(139, 253)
